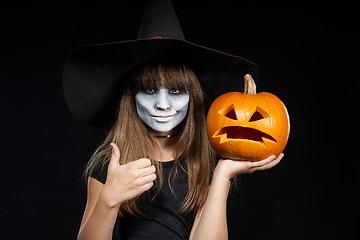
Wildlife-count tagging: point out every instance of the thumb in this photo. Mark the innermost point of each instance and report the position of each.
(115, 156)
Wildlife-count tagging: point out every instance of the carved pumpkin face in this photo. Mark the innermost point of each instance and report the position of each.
(248, 126)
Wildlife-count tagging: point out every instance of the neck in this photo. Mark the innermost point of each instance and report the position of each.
(165, 136)
(166, 142)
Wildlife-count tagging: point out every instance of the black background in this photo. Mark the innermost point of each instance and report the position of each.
(307, 56)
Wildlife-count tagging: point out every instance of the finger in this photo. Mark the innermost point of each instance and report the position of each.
(142, 163)
(267, 166)
(146, 186)
(146, 179)
(115, 156)
(270, 164)
(147, 171)
(262, 162)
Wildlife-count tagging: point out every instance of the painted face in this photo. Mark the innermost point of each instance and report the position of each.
(162, 109)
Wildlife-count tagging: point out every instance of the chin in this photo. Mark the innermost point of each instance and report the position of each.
(163, 129)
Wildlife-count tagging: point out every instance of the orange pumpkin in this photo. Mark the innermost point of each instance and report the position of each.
(248, 126)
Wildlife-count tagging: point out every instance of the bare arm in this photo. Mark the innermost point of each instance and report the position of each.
(211, 223)
(99, 218)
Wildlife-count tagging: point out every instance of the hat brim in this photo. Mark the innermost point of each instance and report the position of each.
(95, 76)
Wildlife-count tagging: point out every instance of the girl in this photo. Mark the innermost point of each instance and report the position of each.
(154, 176)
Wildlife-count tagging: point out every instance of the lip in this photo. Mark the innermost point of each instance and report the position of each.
(162, 118)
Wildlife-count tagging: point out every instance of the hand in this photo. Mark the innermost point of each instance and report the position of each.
(229, 168)
(125, 182)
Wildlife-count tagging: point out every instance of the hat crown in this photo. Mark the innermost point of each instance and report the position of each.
(160, 21)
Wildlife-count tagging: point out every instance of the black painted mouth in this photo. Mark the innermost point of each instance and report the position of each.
(238, 132)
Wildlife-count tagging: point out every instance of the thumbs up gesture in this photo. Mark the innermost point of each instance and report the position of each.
(125, 182)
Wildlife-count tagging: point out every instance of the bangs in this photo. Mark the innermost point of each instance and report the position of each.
(154, 75)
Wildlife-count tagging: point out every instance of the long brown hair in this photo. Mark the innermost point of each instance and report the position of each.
(132, 136)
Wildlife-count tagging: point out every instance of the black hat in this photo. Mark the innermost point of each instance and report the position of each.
(94, 76)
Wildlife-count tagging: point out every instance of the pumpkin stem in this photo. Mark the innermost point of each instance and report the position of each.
(250, 86)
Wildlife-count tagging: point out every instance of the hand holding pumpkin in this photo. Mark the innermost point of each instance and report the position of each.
(228, 168)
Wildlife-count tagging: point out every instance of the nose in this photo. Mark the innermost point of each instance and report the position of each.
(162, 100)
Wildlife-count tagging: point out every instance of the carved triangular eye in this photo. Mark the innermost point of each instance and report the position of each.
(231, 113)
(258, 115)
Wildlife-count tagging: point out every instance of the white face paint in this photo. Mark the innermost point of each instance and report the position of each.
(162, 109)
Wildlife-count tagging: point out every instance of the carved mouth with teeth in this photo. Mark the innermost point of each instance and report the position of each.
(238, 132)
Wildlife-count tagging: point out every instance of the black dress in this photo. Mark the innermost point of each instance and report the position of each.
(161, 217)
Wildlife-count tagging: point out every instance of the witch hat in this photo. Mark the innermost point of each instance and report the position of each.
(94, 75)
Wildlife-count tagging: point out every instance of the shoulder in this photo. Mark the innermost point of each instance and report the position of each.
(99, 173)
(94, 186)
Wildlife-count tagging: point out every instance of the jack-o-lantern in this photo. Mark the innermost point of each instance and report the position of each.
(248, 126)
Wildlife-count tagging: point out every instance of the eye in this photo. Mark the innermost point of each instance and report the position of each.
(258, 115)
(174, 91)
(230, 113)
(150, 91)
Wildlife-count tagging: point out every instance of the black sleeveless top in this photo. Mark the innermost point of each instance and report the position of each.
(161, 218)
